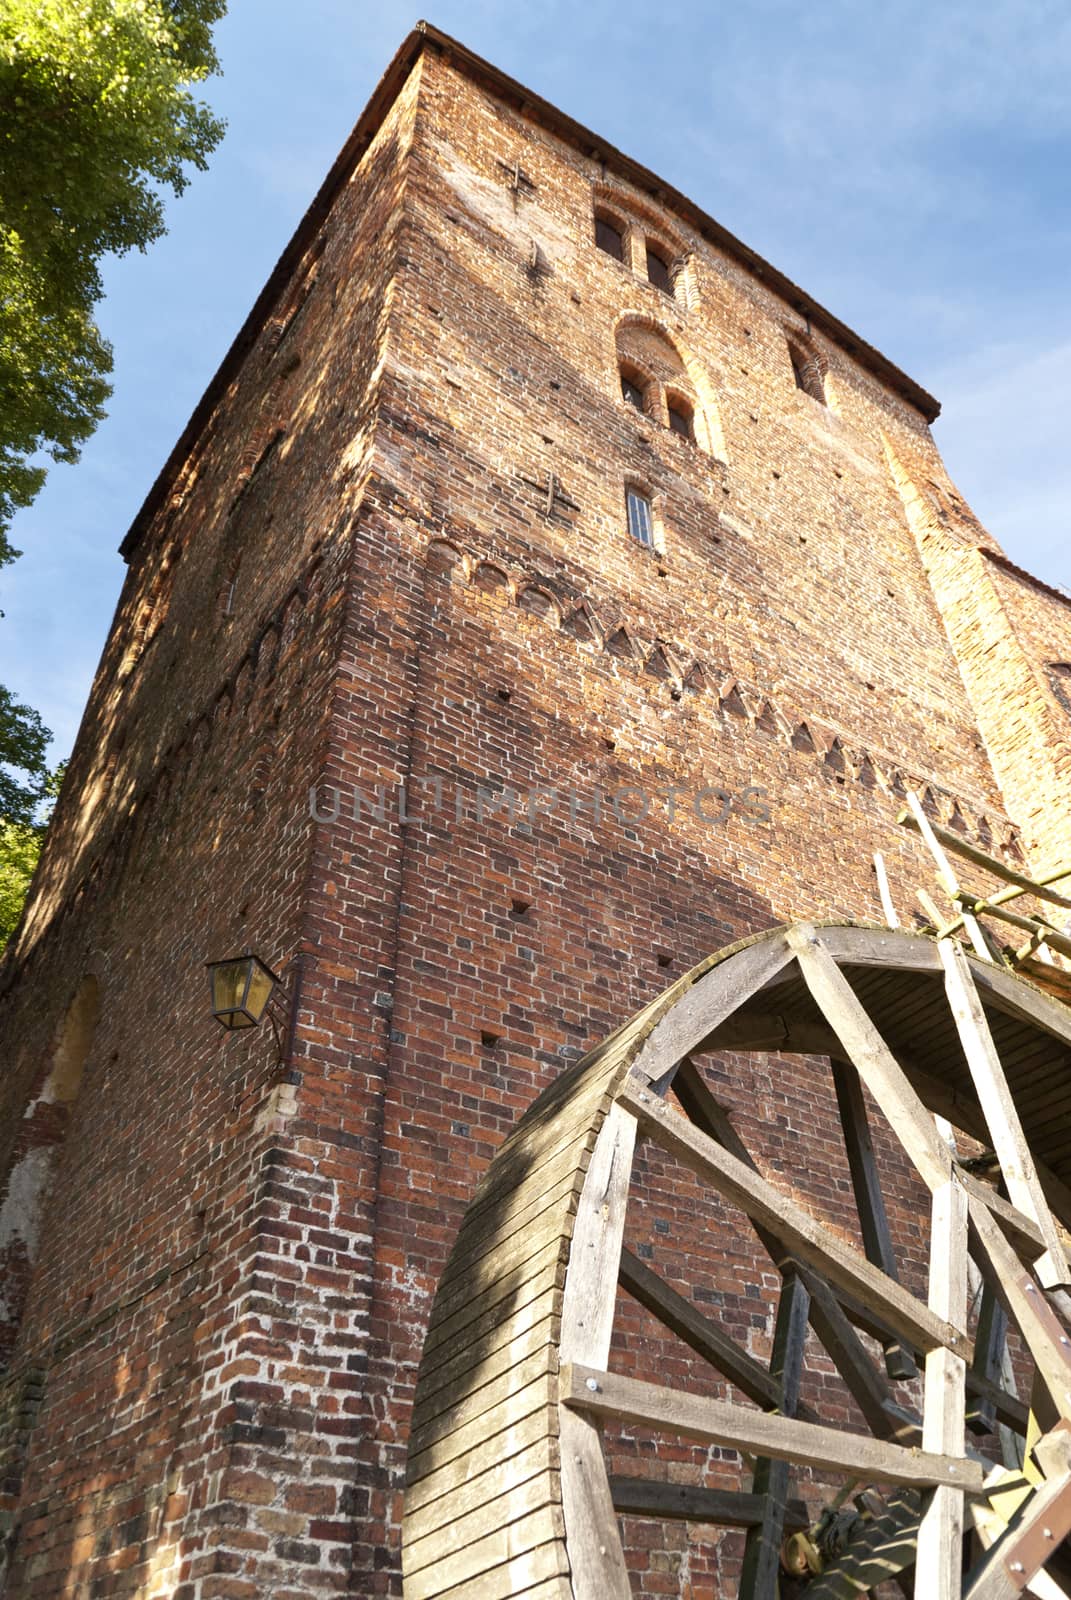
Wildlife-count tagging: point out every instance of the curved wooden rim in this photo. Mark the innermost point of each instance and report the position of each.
(507, 1490)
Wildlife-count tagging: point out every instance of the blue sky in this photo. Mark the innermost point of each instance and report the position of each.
(905, 162)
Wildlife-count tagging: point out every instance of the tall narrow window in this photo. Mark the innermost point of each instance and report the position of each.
(609, 238)
(658, 271)
(681, 417)
(640, 521)
(807, 373)
(631, 391)
(1060, 681)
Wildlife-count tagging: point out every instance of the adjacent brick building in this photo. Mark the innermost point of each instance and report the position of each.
(528, 490)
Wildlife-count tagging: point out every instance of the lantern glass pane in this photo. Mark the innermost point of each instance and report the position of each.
(261, 984)
(229, 979)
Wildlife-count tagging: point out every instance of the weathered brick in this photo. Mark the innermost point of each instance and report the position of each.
(393, 546)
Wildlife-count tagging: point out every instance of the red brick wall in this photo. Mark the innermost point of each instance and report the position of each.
(237, 1261)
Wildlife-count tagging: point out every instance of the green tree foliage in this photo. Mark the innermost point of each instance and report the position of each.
(23, 771)
(96, 121)
(20, 848)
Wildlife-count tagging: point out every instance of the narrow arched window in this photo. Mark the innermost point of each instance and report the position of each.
(1060, 681)
(681, 417)
(609, 238)
(658, 271)
(632, 393)
(807, 373)
(640, 520)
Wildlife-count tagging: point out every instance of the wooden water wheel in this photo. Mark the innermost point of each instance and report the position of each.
(947, 1484)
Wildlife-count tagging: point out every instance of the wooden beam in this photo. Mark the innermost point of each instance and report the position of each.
(710, 1000)
(869, 1201)
(873, 1060)
(1045, 1338)
(1002, 1119)
(884, 892)
(762, 1548)
(970, 852)
(1037, 1532)
(1033, 925)
(947, 877)
(595, 1554)
(649, 1405)
(939, 1562)
(811, 1238)
(684, 1502)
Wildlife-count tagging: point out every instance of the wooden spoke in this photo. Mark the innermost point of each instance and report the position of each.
(648, 1405)
(543, 1393)
(1005, 1129)
(866, 1182)
(762, 1549)
(939, 1564)
(683, 1502)
(812, 1239)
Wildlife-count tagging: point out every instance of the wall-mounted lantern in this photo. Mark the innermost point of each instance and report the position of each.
(241, 987)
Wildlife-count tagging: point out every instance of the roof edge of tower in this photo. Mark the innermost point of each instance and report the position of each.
(575, 133)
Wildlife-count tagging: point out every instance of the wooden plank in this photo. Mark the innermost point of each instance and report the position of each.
(702, 1335)
(447, 1363)
(873, 1060)
(989, 1346)
(518, 1208)
(939, 1562)
(504, 1259)
(1034, 925)
(541, 1575)
(684, 1502)
(469, 1527)
(884, 892)
(978, 936)
(970, 852)
(697, 1013)
(448, 1393)
(869, 1201)
(496, 1302)
(811, 1238)
(468, 1493)
(550, 1215)
(513, 1408)
(511, 1442)
(1012, 1562)
(571, 1159)
(1045, 1338)
(762, 1547)
(648, 1405)
(915, 952)
(524, 1165)
(596, 1558)
(457, 1408)
(512, 1547)
(1002, 1119)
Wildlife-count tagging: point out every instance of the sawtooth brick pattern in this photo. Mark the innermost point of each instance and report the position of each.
(396, 554)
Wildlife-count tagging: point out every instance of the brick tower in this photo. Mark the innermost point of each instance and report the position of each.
(608, 594)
